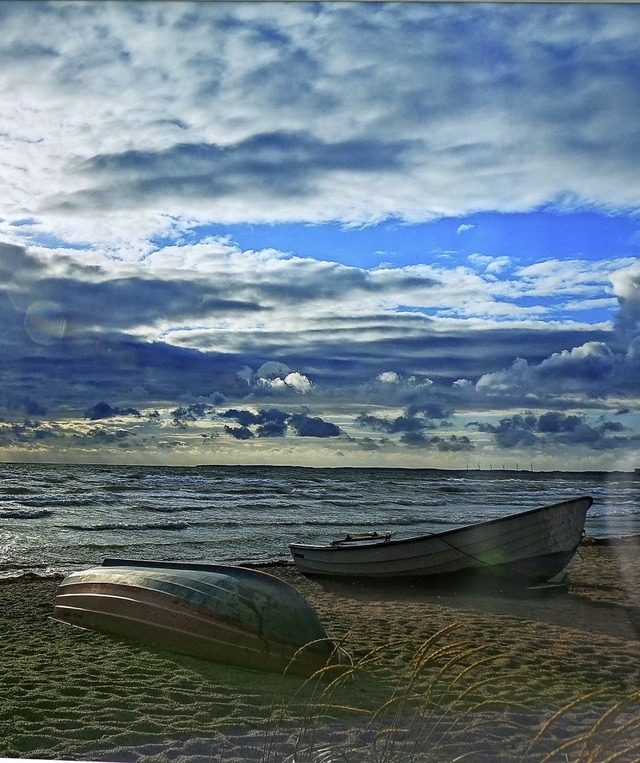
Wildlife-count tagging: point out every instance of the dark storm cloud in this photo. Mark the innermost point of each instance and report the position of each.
(273, 422)
(243, 417)
(102, 436)
(404, 424)
(28, 432)
(16, 261)
(287, 164)
(103, 410)
(67, 341)
(413, 427)
(127, 302)
(554, 428)
(240, 433)
(313, 426)
(78, 373)
(86, 298)
(21, 405)
(451, 444)
(356, 354)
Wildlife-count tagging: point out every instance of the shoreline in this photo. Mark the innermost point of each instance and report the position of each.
(80, 694)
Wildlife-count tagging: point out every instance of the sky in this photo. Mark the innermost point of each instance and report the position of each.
(324, 234)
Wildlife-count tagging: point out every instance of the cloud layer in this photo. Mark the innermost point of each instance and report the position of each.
(133, 320)
(157, 112)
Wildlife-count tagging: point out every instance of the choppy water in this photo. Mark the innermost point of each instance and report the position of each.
(57, 518)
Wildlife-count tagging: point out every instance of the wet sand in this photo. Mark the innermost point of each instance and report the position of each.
(498, 668)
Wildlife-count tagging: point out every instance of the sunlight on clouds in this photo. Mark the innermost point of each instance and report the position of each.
(295, 381)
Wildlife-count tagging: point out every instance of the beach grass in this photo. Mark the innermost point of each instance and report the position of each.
(445, 705)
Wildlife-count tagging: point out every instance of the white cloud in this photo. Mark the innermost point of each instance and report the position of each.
(293, 381)
(136, 124)
(297, 381)
(626, 284)
(589, 370)
(128, 117)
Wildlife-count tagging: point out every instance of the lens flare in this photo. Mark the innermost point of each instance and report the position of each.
(45, 322)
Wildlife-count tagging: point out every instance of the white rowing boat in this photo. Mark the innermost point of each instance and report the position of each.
(530, 546)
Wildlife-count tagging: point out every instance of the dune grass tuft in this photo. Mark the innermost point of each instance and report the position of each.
(444, 705)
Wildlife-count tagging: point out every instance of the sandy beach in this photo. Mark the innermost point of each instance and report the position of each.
(487, 686)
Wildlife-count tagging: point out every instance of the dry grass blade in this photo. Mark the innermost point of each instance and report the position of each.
(379, 652)
(340, 708)
(600, 738)
(474, 687)
(389, 731)
(606, 736)
(418, 709)
(319, 755)
(437, 636)
(394, 701)
(564, 711)
(502, 704)
(447, 667)
(474, 666)
(328, 666)
(428, 659)
(613, 738)
(626, 752)
(615, 711)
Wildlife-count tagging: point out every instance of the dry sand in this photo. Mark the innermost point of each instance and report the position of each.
(74, 694)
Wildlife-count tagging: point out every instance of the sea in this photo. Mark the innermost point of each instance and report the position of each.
(58, 518)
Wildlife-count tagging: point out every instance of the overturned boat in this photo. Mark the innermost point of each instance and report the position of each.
(528, 547)
(227, 614)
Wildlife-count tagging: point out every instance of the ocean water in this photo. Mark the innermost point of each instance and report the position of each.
(57, 518)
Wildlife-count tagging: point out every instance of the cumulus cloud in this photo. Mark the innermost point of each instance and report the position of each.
(388, 377)
(277, 377)
(292, 381)
(585, 369)
(627, 288)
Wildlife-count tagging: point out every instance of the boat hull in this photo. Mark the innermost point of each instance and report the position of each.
(231, 615)
(531, 546)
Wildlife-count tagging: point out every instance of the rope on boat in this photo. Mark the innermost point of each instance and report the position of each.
(460, 551)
